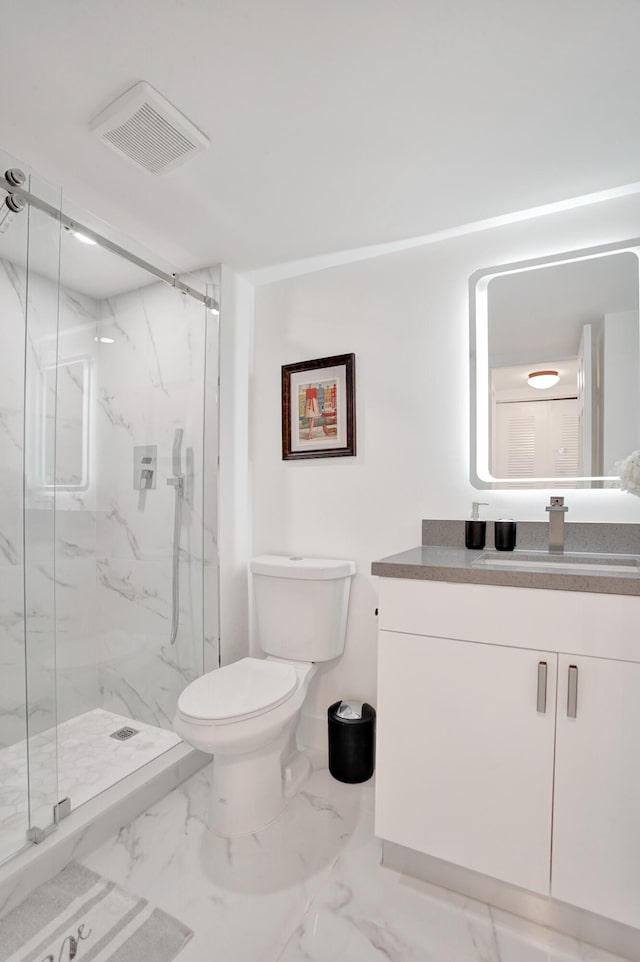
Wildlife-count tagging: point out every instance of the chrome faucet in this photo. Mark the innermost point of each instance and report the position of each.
(557, 510)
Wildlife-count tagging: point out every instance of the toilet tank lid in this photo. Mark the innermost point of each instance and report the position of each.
(309, 569)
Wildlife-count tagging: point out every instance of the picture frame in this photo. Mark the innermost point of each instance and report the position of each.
(318, 408)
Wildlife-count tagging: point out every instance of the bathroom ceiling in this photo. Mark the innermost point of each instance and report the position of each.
(56, 254)
(333, 125)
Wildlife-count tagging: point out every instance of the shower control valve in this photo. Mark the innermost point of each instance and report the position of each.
(145, 461)
(147, 477)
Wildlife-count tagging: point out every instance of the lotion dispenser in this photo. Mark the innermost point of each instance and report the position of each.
(475, 531)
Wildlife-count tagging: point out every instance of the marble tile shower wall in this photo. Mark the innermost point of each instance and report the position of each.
(12, 675)
(77, 653)
(27, 529)
(72, 664)
(113, 545)
(150, 381)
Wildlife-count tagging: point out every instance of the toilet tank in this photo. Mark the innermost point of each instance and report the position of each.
(301, 606)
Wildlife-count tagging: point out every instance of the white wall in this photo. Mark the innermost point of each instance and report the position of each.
(405, 316)
(234, 526)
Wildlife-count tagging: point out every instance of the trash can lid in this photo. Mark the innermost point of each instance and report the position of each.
(350, 709)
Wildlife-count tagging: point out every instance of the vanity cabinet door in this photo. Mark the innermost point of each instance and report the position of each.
(596, 827)
(464, 756)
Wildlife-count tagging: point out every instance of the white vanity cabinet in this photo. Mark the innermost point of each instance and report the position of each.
(464, 759)
(480, 761)
(596, 815)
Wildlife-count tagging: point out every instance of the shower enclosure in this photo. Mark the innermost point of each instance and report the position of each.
(108, 582)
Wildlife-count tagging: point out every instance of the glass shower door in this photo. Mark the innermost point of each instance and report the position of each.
(28, 322)
(14, 816)
(129, 522)
(41, 349)
(108, 556)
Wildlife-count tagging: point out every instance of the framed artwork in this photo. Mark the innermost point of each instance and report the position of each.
(318, 408)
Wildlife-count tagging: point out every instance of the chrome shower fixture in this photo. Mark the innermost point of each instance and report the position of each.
(13, 203)
(177, 483)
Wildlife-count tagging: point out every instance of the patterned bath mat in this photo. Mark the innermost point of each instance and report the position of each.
(79, 915)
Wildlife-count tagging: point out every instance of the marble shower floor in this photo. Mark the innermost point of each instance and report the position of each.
(309, 888)
(89, 761)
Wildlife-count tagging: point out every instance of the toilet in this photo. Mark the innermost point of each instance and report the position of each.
(246, 714)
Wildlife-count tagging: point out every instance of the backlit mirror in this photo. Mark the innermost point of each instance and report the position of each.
(555, 369)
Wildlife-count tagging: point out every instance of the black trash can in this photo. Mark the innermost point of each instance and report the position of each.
(352, 740)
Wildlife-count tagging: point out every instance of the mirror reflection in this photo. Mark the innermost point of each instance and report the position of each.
(65, 422)
(557, 369)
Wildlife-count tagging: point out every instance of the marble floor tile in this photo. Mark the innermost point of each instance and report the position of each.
(368, 913)
(84, 762)
(309, 888)
(243, 897)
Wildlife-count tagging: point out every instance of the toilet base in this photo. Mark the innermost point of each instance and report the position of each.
(251, 790)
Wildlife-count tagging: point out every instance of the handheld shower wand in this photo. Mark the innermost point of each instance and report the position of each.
(177, 482)
(177, 452)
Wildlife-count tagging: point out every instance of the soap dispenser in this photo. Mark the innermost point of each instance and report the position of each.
(475, 531)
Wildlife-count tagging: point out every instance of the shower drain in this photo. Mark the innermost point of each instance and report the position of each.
(123, 733)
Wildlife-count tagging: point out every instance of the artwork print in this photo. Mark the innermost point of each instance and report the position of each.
(318, 417)
(317, 411)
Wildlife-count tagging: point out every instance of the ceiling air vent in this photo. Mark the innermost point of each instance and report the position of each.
(146, 129)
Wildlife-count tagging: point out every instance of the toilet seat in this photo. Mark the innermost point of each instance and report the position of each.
(246, 688)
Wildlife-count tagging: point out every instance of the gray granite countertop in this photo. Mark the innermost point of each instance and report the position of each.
(431, 562)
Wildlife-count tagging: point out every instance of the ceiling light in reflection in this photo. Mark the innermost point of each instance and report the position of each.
(105, 340)
(543, 379)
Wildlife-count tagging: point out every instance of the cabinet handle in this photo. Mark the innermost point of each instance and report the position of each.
(572, 692)
(541, 705)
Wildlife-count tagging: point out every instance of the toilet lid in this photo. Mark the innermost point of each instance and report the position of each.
(247, 687)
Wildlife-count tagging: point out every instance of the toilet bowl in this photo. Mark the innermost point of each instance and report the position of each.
(257, 766)
(246, 714)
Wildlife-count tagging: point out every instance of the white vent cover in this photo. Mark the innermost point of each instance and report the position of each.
(146, 129)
